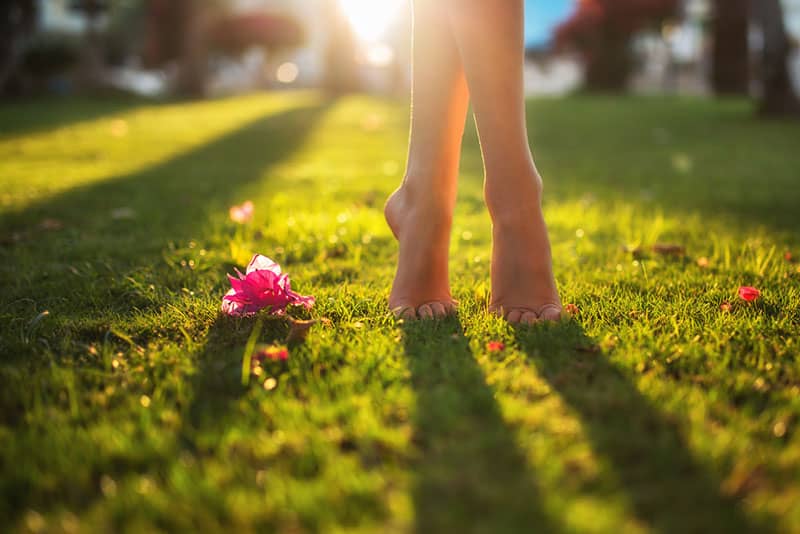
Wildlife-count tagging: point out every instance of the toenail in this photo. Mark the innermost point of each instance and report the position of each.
(514, 316)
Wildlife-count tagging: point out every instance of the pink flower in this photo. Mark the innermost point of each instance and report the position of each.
(749, 293)
(242, 213)
(263, 286)
(495, 346)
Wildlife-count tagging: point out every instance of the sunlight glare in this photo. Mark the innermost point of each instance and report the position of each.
(370, 18)
(379, 55)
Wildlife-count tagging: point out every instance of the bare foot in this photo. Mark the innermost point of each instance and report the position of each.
(421, 224)
(523, 287)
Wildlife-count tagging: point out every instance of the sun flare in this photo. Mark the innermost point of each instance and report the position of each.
(370, 18)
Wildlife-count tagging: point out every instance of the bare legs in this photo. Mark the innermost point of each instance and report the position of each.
(420, 212)
(490, 38)
(482, 41)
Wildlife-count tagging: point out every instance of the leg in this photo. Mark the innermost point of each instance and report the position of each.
(420, 212)
(490, 40)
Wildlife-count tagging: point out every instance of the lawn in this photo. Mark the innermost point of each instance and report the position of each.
(666, 404)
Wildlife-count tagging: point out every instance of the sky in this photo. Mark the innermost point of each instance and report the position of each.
(542, 16)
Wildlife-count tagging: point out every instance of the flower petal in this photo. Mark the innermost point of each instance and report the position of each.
(236, 283)
(749, 293)
(263, 286)
(263, 263)
(231, 305)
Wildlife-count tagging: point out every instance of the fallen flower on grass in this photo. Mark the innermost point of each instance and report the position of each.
(262, 286)
(571, 309)
(495, 346)
(749, 293)
(725, 307)
(242, 213)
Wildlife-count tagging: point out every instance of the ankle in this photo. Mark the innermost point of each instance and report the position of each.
(514, 200)
(423, 191)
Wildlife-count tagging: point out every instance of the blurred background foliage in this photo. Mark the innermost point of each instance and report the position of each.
(200, 48)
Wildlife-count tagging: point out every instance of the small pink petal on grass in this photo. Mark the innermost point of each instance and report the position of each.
(788, 256)
(263, 286)
(703, 262)
(571, 310)
(242, 213)
(495, 346)
(749, 293)
(725, 307)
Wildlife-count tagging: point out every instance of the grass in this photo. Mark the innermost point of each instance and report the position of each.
(653, 410)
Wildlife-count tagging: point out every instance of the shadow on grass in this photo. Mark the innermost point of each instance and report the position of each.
(471, 475)
(217, 383)
(30, 115)
(674, 155)
(171, 202)
(667, 488)
(174, 200)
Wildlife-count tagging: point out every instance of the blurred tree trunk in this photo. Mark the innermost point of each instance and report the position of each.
(341, 69)
(730, 67)
(193, 54)
(778, 97)
(92, 62)
(609, 64)
(92, 65)
(177, 34)
(17, 19)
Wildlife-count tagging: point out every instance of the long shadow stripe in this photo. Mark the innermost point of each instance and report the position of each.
(668, 488)
(471, 474)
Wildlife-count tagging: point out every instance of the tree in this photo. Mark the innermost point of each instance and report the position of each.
(177, 32)
(778, 97)
(17, 22)
(601, 30)
(92, 61)
(730, 69)
(235, 34)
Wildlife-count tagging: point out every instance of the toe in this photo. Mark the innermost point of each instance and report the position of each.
(425, 312)
(438, 309)
(404, 312)
(528, 317)
(514, 316)
(550, 312)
